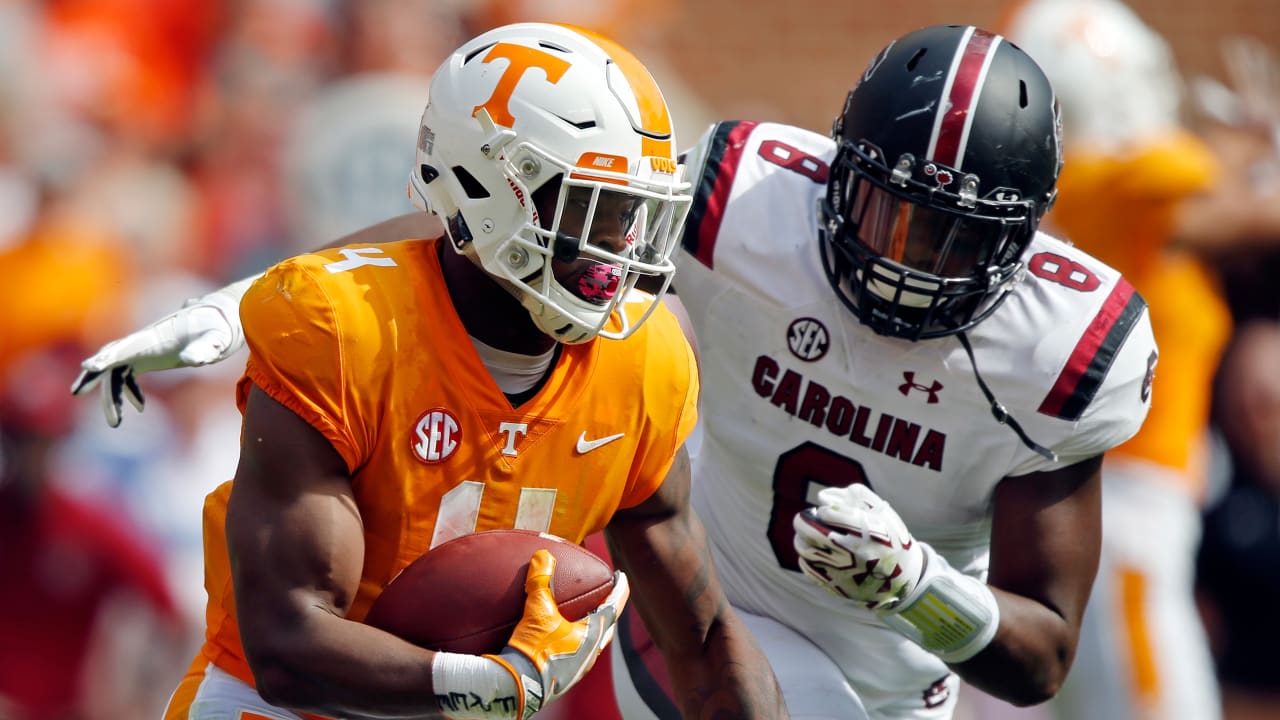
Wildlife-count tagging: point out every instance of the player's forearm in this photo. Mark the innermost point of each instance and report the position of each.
(335, 667)
(327, 665)
(1027, 661)
(716, 667)
(730, 678)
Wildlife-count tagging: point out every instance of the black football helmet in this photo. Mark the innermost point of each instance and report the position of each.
(949, 153)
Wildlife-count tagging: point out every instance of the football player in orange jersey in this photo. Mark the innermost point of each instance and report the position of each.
(1130, 171)
(1141, 192)
(398, 395)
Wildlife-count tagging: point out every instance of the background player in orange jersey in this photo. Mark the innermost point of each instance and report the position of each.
(1143, 193)
(398, 395)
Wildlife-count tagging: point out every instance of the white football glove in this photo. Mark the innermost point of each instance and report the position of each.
(855, 545)
(205, 331)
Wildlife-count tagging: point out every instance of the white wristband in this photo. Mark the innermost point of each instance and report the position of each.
(950, 614)
(471, 687)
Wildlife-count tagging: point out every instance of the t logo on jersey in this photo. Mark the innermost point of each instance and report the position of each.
(520, 59)
(436, 436)
(512, 434)
(808, 339)
(512, 431)
(910, 377)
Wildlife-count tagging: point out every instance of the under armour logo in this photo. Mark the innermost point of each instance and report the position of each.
(911, 384)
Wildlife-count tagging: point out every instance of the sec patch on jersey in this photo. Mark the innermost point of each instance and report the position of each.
(467, 595)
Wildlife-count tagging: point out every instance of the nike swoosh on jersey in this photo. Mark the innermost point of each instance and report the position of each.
(585, 446)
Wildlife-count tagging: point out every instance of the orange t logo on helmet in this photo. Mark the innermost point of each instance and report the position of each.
(521, 58)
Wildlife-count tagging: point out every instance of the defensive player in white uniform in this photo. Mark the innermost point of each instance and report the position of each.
(878, 309)
(901, 379)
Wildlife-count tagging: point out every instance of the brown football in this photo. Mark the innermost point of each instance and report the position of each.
(467, 595)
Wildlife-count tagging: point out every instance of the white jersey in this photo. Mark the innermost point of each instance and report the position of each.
(798, 395)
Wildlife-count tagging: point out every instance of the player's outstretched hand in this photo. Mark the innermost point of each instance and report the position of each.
(547, 654)
(855, 545)
(206, 330)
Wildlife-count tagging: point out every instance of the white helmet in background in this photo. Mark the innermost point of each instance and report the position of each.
(345, 158)
(1114, 75)
(537, 140)
(1128, 161)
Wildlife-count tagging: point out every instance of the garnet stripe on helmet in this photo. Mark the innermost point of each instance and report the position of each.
(703, 224)
(960, 96)
(1094, 353)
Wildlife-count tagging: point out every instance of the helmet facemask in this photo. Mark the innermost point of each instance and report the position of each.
(589, 238)
(911, 257)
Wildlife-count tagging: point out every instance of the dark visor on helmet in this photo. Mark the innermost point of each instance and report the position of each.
(940, 242)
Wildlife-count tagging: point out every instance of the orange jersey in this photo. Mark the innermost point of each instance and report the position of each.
(1191, 325)
(1122, 211)
(363, 343)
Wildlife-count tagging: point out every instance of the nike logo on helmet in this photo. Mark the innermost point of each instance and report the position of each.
(585, 446)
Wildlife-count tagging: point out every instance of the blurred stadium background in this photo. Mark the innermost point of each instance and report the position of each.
(152, 150)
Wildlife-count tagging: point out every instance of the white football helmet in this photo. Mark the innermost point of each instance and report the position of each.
(1114, 75)
(534, 120)
(345, 159)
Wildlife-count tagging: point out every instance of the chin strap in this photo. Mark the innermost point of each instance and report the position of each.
(998, 410)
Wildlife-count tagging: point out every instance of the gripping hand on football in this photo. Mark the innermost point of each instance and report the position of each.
(206, 330)
(547, 654)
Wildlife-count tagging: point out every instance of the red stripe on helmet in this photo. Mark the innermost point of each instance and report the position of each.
(964, 87)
